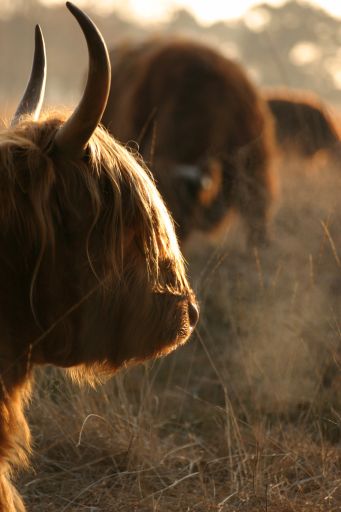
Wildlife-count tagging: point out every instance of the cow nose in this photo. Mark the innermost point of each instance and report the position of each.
(193, 314)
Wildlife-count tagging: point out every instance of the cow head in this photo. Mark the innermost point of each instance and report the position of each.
(91, 269)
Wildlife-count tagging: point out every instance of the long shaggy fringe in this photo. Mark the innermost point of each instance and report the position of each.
(107, 172)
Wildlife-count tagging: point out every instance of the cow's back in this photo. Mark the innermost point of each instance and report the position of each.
(189, 88)
(303, 124)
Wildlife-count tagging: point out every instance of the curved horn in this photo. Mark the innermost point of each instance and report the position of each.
(74, 134)
(33, 97)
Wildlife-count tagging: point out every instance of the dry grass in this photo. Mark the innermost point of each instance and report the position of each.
(246, 417)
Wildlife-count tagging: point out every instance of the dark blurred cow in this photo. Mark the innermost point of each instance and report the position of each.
(303, 124)
(202, 127)
(91, 273)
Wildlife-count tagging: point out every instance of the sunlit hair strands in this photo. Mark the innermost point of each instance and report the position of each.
(91, 272)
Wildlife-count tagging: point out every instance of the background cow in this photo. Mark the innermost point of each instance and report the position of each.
(91, 274)
(202, 127)
(303, 124)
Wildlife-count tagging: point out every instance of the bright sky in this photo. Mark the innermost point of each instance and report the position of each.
(206, 11)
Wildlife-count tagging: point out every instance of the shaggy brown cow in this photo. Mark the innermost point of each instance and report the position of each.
(303, 124)
(91, 274)
(202, 127)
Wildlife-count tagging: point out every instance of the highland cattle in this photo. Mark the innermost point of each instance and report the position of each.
(303, 125)
(202, 127)
(92, 278)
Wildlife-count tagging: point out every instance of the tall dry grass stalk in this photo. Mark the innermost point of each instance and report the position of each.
(246, 417)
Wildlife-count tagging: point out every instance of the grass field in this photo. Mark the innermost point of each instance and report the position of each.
(245, 417)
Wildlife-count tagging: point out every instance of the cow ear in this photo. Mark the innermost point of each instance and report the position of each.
(32, 100)
(73, 136)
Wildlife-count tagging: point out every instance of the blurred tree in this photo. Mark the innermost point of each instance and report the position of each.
(275, 51)
(9, 7)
